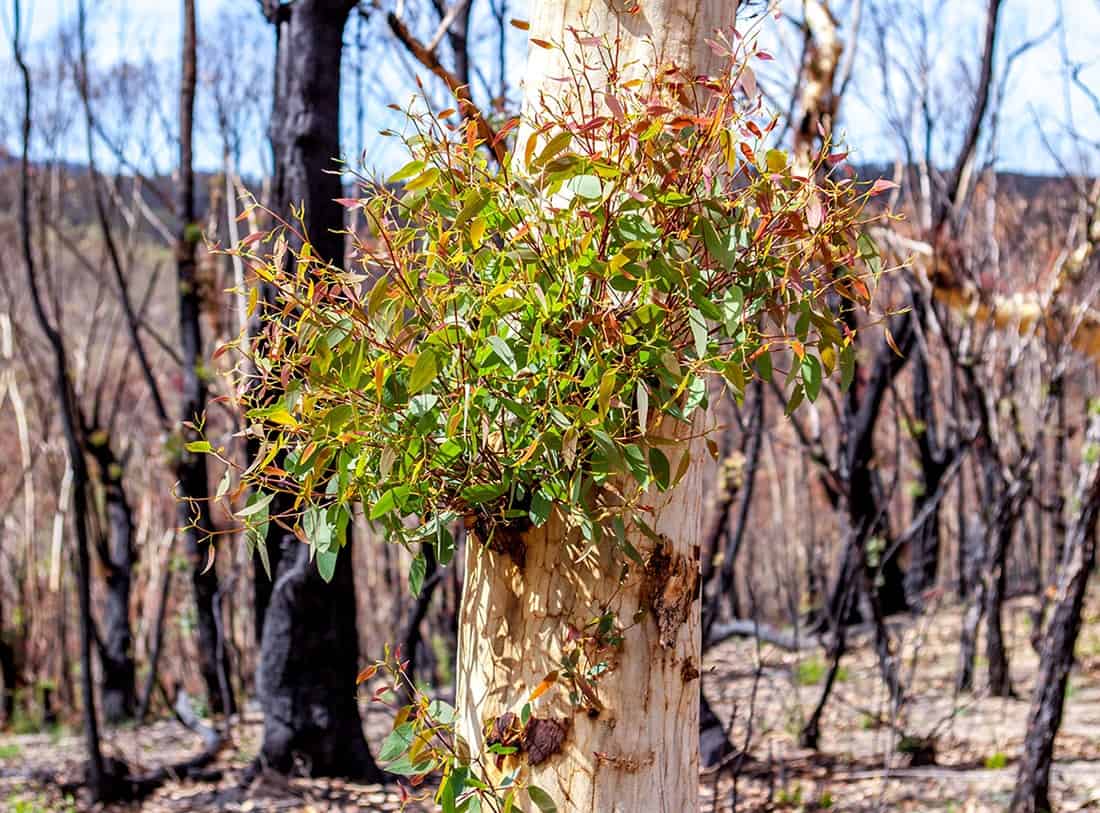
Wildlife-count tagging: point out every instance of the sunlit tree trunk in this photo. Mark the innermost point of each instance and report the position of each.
(628, 741)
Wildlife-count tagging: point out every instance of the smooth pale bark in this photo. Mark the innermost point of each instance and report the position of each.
(636, 748)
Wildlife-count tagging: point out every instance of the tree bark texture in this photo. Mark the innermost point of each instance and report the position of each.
(194, 489)
(309, 651)
(629, 739)
(1032, 794)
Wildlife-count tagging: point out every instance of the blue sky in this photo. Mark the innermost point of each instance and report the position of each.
(1036, 95)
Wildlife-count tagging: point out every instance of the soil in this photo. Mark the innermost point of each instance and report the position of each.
(871, 758)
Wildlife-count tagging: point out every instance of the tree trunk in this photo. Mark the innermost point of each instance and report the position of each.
(94, 777)
(194, 489)
(1000, 683)
(1032, 794)
(309, 651)
(624, 733)
(116, 651)
(309, 658)
(631, 734)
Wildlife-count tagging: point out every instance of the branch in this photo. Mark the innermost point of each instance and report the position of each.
(955, 185)
(470, 111)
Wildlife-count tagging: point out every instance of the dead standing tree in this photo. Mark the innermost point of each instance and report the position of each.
(309, 651)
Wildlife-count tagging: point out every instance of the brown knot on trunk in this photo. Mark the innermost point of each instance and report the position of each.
(668, 591)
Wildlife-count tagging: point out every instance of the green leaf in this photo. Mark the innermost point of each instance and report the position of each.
(442, 712)
(541, 799)
(642, 397)
(586, 186)
(423, 372)
(503, 352)
(554, 146)
(223, 485)
(698, 332)
(659, 467)
(388, 501)
(540, 508)
(326, 564)
(776, 160)
(794, 401)
(720, 247)
(256, 503)
(407, 171)
(200, 446)
(424, 179)
(764, 365)
(417, 570)
(483, 492)
(847, 366)
(811, 376)
(255, 532)
(396, 743)
(607, 389)
(733, 305)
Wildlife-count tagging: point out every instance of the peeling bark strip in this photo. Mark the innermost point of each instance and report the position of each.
(669, 591)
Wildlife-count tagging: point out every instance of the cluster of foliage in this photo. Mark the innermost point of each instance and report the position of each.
(424, 740)
(525, 339)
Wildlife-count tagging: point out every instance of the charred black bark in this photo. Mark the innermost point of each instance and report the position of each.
(1032, 794)
(191, 472)
(309, 659)
(309, 649)
(117, 558)
(95, 778)
(935, 460)
(9, 674)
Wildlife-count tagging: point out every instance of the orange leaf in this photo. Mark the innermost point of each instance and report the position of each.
(366, 674)
(543, 687)
(210, 552)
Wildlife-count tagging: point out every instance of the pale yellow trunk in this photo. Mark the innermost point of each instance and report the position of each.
(631, 744)
(629, 738)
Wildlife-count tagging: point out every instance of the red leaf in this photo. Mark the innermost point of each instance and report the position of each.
(512, 122)
(764, 55)
(880, 186)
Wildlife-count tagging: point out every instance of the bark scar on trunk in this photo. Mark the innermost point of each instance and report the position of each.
(669, 590)
(542, 738)
(623, 763)
(539, 739)
(689, 671)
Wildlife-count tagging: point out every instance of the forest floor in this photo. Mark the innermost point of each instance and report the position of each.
(765, 693)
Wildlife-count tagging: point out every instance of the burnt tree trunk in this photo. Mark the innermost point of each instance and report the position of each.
(116, 555)
(924, 550)
(309, 652)
(95, 779)
(194, 488)
(1032, 794)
